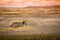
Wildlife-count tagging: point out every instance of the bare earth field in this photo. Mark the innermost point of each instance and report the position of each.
(40, 21)
(35, 26)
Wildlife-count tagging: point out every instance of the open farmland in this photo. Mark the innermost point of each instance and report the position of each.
(40, 20)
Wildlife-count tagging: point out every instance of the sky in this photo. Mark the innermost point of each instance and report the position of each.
(25, 3)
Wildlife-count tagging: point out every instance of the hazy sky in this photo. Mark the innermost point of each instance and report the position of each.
(24, 3)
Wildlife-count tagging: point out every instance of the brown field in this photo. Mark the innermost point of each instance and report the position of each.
(31, 37)
(32, 11)
(40, 21)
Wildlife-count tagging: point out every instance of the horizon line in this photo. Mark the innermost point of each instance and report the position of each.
(28, 6)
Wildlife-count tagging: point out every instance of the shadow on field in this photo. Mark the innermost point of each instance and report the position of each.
(31, 37)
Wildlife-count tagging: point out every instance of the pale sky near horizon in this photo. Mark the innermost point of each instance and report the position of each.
(25, 3)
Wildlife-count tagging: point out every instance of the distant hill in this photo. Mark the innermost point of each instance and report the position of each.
(15, 9)
(32, 10)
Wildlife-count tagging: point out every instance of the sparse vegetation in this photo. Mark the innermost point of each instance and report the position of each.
(35, 11)
(43, 12)
(31, 37)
